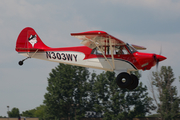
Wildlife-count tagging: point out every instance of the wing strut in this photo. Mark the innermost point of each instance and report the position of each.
(112, 53)
(113, 67)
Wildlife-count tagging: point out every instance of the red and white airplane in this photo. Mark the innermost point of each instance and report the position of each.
(101, 51)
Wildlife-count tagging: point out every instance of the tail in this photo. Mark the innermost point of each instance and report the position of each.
(29, 41)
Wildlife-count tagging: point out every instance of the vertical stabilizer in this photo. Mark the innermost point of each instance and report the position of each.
(28, 40)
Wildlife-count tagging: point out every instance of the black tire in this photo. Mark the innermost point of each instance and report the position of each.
(123, 80)
(135, 82)
(20, 62)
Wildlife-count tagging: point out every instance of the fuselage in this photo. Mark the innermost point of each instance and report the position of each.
(87, 57)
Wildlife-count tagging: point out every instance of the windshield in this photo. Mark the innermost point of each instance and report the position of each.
(131, 48)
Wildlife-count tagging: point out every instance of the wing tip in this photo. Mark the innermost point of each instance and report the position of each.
(138, 47)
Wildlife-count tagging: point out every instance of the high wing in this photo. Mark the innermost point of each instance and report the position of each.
(93, 39)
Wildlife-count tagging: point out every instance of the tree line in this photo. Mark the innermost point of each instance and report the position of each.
(73, 90)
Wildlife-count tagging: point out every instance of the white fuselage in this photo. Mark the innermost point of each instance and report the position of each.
(78, 59)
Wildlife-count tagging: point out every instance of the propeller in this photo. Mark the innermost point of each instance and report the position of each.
(156, 60)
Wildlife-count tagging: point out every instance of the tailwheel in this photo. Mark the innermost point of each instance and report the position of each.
(20, 62)
(134, 83)
(123, 80)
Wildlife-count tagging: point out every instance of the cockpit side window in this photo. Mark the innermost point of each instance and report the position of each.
(117, 50)
(121, 50)
(96, 51)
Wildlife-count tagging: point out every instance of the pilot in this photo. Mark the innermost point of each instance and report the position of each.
(120, 50)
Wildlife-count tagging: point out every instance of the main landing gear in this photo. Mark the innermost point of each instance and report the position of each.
(125, 80)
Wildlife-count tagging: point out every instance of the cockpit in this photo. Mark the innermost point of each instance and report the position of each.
(117, 50)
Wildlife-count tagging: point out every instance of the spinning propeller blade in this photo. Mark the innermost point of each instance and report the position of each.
(158, 58)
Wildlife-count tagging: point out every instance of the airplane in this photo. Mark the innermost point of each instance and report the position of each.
(100, 51)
